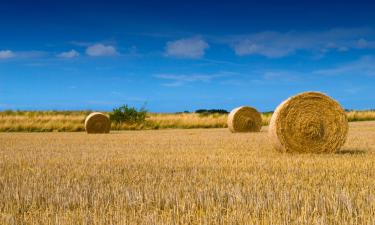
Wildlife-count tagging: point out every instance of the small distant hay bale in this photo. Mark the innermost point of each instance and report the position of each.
(244, 119)
(97, 123)
(309, 122)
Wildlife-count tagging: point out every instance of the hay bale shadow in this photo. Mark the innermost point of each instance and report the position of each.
(351, 152)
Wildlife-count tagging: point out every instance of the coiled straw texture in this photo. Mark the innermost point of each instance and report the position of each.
(309, 122)
(244, 119)
(96, 123)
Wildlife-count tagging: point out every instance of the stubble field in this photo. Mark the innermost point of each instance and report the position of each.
(195, 176)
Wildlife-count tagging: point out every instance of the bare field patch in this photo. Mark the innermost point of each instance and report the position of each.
(195, 176)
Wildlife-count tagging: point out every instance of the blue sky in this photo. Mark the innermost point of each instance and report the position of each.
(183, 55)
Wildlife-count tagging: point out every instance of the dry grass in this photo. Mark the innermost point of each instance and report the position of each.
(74, 121)
(188, 120)
(42, 121)
(361, 115)
(197, 176)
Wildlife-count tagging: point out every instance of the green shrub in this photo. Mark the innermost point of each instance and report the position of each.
(129, 115)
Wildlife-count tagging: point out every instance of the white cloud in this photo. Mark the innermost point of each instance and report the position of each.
(363, 43)
(6, 54)
(187, 48)
(70, 54)
(269, 44)
(276, 44)
(363, 66)
(185, 78)
(101, 50)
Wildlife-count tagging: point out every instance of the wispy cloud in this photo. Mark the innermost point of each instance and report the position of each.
(363, 66)
(6, 54)
(281, 76)
(31, 54)
(4, 106)
(187, 48)
(181, 79)
(101, 50)
(276, 44)
(69, 54)
(266, 77)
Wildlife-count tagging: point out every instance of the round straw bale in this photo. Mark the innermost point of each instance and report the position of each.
(96, 123)
(309, 122)
(244, 119)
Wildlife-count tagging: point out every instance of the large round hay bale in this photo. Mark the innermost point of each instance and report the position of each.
(244, 119)
(309, 122)
(97, 123)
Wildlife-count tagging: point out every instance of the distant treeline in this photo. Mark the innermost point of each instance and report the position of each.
(354, 110)
(211, 111)
(222, 111)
